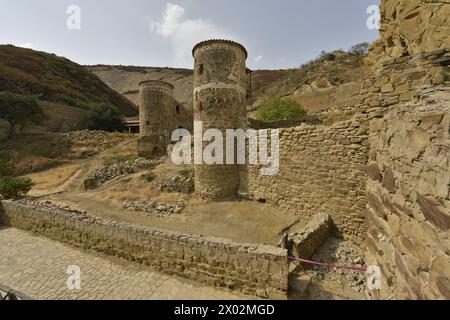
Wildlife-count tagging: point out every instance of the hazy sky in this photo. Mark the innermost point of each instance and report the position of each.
(277, 34)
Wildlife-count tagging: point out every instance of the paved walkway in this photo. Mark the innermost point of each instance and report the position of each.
(38, 268)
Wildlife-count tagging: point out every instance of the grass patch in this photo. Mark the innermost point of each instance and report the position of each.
(118, 159)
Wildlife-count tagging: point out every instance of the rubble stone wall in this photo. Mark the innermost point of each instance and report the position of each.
(252, 269)
(408, 198)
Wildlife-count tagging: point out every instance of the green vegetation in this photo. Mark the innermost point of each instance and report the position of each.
(6, 167)
(19, 109)
(12, 188)
(186, 173)
(150, 177)
(118, 159)
(337, 67)
(360, 49)
(55, 79)
(105, 117)
(277, 109)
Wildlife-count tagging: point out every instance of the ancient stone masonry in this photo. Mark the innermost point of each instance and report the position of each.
(159, 115)
(220, 90)
(409, 27)
(408, 198)
(322, 169)
(250, 268)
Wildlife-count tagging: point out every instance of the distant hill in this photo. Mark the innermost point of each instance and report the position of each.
(56, 79)
(126, 79)
(328, 70)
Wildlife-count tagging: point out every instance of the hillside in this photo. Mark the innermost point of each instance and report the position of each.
(126, 79)
(55, 79)
(327, 71)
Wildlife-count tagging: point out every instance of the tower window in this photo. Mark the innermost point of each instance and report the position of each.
(178, 109)
(200, 69)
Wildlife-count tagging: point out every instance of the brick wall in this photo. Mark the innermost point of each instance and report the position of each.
(252, 269)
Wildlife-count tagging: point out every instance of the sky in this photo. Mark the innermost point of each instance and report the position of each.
(278, 34)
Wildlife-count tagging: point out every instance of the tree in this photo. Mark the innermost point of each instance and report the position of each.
(12, 188)
(360, 49)
(19, 109)
(105, 117)
(276, 109)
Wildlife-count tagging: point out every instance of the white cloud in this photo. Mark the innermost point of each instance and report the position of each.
(258, 59)
(184, 33)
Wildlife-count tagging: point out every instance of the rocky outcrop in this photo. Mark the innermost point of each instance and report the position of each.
(412, 26)
(153, 208)
(408, 214)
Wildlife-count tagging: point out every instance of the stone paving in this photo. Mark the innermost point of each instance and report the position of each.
(38, 267)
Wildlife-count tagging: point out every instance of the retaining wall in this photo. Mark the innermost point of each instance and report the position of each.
(252, 269)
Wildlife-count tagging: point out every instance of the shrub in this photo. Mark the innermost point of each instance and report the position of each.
(6, 167)
(12, 188)
(19, 109)
(360, 49)
(150, 177)
(186, 173)
(277, 109)
(105, 117)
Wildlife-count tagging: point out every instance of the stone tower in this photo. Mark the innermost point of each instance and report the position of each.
(220, 90)
(156, 111)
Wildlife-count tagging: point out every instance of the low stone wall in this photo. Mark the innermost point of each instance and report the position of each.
(322, 169)
(310, 239)
(252, 269)
(408, 198)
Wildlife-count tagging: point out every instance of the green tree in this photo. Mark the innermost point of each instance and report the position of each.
(360, 49)
(105, 117)
(12, 188)
(19, 109)
(276, 109)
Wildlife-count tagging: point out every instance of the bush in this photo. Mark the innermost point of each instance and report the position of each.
(277, 109)
(360, 49)
(19, 109)
(106, 118)
(150, 177)
(7, 167)
(12, 188)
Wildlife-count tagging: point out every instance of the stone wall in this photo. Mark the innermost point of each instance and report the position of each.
(413, 26)
(252, 269)
(322, 169)
(408, 198)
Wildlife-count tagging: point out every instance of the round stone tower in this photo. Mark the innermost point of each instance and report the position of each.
(220, 90)
(156, 110)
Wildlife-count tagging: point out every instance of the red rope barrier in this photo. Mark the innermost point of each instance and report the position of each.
(326, 265)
